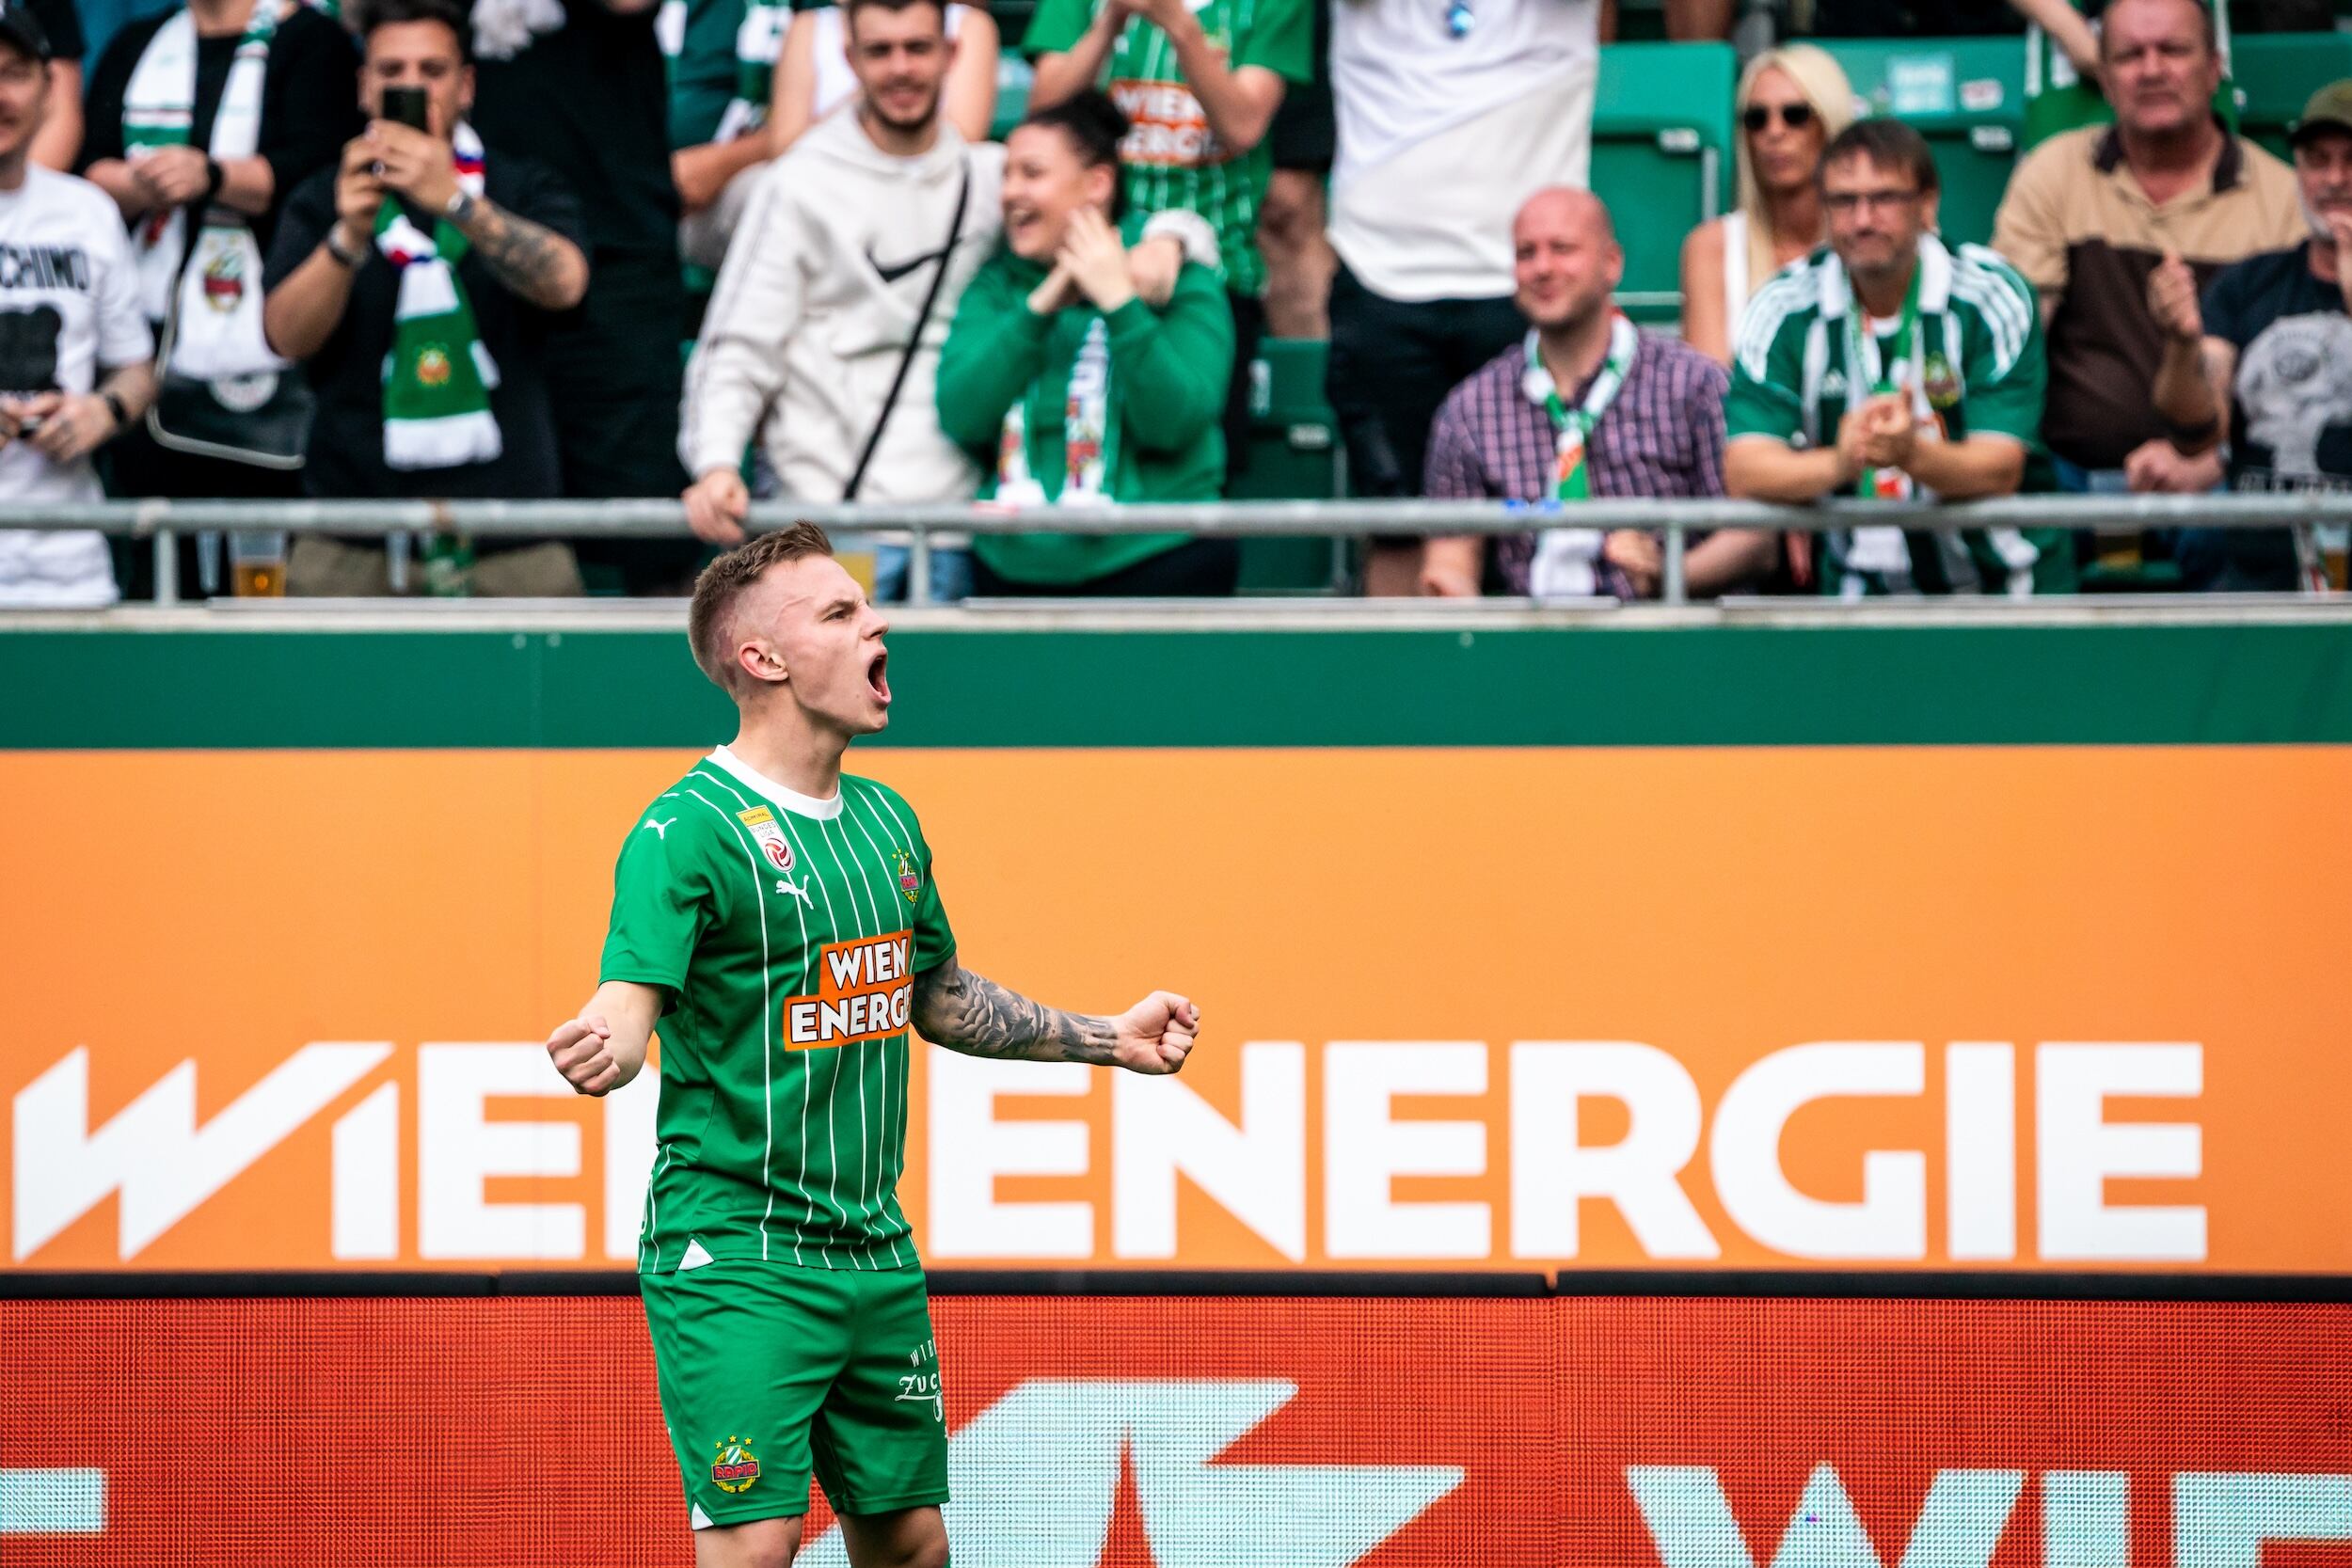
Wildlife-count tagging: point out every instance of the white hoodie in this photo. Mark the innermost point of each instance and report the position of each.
(804, 331)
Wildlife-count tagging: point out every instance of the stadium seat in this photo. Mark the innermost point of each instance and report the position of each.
(1013, 76)
(1294, 455)
(1661, 159)
(2276, 72)
(1966, 96)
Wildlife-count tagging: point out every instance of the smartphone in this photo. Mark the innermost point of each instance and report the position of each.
(404, 106)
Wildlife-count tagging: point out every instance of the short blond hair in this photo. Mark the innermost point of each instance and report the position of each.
(725, 582)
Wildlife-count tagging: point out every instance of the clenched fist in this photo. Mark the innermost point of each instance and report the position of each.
(2172, 300)
(1156, 1034)
(582, 1052)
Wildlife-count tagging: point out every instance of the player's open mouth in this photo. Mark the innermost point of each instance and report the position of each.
(875, 681)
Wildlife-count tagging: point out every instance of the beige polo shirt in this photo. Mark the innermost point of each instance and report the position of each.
(2076, 223)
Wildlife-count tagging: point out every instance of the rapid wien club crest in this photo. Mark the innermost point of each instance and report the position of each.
(910, 876)
(734, 1466)
(1942, 384)
(768, 834)
(224, 281)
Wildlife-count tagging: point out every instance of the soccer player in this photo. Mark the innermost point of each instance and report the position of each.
(779, 919)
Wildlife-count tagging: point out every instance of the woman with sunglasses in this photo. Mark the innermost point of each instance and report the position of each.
(1791, 101)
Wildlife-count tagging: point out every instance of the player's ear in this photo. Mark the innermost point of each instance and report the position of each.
(761, 661)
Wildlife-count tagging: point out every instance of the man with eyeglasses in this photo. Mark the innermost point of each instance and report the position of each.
(1892, 366)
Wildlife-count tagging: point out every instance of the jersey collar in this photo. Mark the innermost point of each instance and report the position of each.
(790, 800)
(1935, 281)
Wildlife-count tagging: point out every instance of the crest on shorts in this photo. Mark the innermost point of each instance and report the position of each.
(910, 879)
(735, 1468)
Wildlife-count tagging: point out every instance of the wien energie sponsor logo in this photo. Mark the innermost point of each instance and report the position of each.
(1166, 126)
(865, 992)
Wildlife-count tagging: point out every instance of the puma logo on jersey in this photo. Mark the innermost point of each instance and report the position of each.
(660, 829)
(798, 890)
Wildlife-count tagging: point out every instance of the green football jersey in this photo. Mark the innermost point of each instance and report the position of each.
(1968, 347)
(784, 934)
(1171, 158)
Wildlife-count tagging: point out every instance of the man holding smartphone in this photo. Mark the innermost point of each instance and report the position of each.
(419, 280)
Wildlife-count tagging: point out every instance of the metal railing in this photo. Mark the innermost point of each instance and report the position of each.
(1673, 521)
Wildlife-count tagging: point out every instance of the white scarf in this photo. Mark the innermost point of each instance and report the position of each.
(218, 324)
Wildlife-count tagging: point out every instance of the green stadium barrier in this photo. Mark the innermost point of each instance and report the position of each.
(229, 682)
(1661, 159)
(1965, 96)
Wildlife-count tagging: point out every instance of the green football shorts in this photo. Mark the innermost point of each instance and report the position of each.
(769, 1370)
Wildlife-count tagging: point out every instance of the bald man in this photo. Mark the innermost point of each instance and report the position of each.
(1586, 406)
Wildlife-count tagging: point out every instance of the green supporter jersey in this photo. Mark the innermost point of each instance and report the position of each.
(1978, 353)
(1170, 157)
(1142, 391)
(783, 935)
(721, 58)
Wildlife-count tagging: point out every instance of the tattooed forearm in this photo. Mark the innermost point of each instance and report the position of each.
(973, 1014)
(531, 258)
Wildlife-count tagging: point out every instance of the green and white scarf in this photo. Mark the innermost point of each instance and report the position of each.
(1565, 562)
(437, 377)
(1088, 436)
(1879, 558)
(217, 289)
(1902, 369)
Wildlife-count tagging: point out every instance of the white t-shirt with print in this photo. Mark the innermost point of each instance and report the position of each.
(69, 311)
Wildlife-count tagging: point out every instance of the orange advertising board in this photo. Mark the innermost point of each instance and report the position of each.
(1832, 1007)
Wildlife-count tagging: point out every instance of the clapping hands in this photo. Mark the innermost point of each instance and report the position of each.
(1091, 264)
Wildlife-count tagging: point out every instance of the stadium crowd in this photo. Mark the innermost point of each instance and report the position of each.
(422, 249)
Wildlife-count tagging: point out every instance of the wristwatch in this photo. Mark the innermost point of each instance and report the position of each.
(335, 249)
(459, 207)
(114, 406)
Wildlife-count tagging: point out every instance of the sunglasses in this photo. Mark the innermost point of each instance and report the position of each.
(1794, 116)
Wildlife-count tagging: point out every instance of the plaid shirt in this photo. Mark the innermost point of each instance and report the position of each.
(1662, 436)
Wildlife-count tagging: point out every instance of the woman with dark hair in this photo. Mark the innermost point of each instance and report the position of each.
(1073, 392)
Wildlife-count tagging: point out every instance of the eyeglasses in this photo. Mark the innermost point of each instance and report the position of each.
(1846, 202)
(1794, 116)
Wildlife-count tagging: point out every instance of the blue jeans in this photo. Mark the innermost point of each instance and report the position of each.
(2209, 559)
(2075, 480)
(951, 574)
